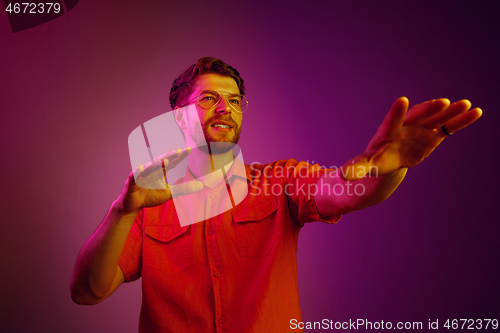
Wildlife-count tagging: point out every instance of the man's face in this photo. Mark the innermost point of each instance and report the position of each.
(221, 124)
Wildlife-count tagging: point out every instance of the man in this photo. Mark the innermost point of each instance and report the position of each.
(231, 265)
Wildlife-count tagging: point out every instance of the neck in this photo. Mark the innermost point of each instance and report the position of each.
(201, 163)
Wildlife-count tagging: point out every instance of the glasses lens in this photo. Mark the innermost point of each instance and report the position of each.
(244, 104)
(208, 99)
(238, 102)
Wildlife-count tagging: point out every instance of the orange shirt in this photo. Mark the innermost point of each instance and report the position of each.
(232, 272)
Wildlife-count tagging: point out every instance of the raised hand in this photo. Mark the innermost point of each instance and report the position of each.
(146, 186)
(405, 139)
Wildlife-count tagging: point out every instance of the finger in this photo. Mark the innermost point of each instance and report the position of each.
(464, 120)
(178, 158)
(152, 180)
(395, 118)
(164, 163)
(151, 167)
(136, 172)
(158, 167)
(448, 114)
(185, 188)
(183, 153)
(169, 155)
(421, 112)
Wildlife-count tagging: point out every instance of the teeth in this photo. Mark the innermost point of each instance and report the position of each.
(221, 126)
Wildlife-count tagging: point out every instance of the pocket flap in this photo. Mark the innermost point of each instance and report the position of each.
(256, 212)
(165, 233)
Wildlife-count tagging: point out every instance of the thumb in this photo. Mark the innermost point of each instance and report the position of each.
(185, 188)
(356, 169)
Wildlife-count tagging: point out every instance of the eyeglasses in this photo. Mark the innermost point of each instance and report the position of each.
(208, 99)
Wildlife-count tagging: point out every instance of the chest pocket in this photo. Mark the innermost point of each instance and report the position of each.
(165, 248)
(257, 228)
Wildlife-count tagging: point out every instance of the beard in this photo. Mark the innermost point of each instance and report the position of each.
(221, 147)
(217, 143)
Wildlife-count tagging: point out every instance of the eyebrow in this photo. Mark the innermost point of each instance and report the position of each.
(206, 90)
(223, 91)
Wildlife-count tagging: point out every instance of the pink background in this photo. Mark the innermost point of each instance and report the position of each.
(320, 76)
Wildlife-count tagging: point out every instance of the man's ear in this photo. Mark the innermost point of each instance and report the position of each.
(180, 117)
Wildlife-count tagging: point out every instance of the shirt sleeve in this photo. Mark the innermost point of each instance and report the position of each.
(301, 178)
(131, 258)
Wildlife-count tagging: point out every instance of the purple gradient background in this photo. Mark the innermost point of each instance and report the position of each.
(320, 77)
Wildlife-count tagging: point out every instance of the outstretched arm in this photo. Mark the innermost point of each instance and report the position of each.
(404, 139)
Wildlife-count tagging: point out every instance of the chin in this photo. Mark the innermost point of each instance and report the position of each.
(218, 144)
(221, 147)
(222, 144)
(216, 147)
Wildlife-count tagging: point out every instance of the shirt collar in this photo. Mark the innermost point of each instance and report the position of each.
(237, 169)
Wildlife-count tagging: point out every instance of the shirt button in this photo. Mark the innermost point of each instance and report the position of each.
(217, 274)
(222, 320)
(212, 195)
(210, 231)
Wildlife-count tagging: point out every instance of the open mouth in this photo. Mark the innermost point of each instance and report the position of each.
(221, 126)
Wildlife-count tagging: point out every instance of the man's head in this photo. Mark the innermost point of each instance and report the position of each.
(183, 85)
(220, 124)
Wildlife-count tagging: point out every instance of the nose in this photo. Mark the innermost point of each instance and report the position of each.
(223, 106)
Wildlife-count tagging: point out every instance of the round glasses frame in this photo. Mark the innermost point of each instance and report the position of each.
(243, 100)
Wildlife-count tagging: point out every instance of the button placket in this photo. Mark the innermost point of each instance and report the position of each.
(212, 209)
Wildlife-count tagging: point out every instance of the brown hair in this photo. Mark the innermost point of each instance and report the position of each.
(183, 85)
